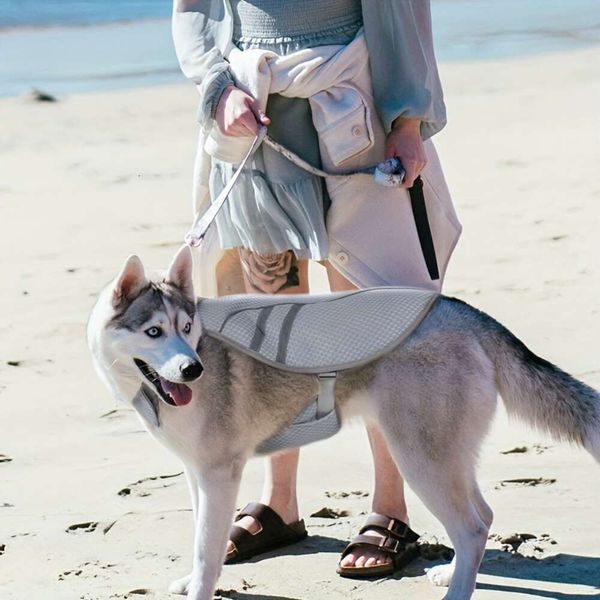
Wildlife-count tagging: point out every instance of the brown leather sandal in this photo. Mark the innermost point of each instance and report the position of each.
(398, 542)
(273, 533)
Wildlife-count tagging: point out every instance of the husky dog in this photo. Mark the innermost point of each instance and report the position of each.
(434, 397)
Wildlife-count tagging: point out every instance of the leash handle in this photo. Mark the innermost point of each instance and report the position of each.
(419, 210)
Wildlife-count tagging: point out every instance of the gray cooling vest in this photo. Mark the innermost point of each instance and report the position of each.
(316, 334)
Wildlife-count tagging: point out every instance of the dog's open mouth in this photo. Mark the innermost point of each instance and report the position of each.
(175, 394)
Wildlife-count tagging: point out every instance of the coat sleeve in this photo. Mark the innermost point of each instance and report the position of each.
(198, 36)
(403, 66)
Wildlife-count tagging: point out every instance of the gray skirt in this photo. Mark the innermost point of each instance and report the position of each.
(276, 206)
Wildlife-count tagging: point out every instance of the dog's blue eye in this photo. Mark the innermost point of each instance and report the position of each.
(154, 332)
(187, 328)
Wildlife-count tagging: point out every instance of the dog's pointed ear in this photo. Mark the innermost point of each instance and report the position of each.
(179, 273)
(130, 281)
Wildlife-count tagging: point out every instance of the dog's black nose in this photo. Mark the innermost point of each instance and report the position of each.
(191, 370)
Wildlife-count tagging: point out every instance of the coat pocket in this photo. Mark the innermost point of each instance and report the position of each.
(350, 133)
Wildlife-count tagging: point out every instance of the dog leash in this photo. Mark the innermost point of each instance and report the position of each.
(204, 221)
(388, 173)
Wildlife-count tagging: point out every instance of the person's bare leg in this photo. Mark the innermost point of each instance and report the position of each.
(388, 495)
(279, 488)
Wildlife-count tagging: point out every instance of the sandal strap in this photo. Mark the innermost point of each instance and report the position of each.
(272, 532)
(388, 527)
(269, 522)
(389, 545)
(395, 535)
(238, 536)
(264, 515)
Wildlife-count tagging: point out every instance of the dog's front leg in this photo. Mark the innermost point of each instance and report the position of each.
(217, 493)
(181, 586)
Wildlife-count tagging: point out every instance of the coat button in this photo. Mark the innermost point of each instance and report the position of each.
(356, 130)
(342, 257)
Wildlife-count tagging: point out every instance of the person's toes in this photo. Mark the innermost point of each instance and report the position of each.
(348, 560)
(383, 559)
(371, 561)
(360, 561)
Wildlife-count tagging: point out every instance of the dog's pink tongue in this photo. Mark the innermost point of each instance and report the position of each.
(180, 392)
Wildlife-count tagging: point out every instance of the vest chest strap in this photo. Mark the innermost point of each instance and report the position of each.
(326, 398)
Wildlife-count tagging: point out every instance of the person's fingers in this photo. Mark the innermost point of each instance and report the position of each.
(412, 169)
(390, 150)
(236, 128)
(259, 114)
(248, 121)
(411, 172)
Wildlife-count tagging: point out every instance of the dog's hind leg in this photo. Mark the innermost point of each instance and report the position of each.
(180, 586)
(434, 431)
(445, 487)
(217, 491)
(483, 508)
(442, 575)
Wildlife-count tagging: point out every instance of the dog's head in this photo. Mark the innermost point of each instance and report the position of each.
(150, 329)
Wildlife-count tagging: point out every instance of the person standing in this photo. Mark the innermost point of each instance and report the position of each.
(279, 216)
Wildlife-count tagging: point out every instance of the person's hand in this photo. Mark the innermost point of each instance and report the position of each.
(238, 114)
(404, 141)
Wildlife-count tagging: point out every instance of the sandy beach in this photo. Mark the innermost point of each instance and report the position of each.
(92, 509)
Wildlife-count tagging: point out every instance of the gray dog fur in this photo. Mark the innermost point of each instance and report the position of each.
(434, 398)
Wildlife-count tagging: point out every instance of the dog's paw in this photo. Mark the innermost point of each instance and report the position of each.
(180, 586)
(441, 575)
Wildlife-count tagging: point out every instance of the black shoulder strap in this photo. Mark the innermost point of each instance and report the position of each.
(419, 210)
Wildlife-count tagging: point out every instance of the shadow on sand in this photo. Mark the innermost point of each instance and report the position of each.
(235, 595)
(560, 569)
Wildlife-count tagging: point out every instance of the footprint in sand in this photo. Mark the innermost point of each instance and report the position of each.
(517, 450)
(142, 487)
(539, 449)
(525, 482)
(23, 534)
(89, 569)
(90, 527)
(342, 494)
(87, 527)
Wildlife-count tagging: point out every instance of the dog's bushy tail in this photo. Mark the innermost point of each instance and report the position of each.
(537, 391)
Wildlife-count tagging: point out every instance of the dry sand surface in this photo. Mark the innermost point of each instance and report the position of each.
(92, 508)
